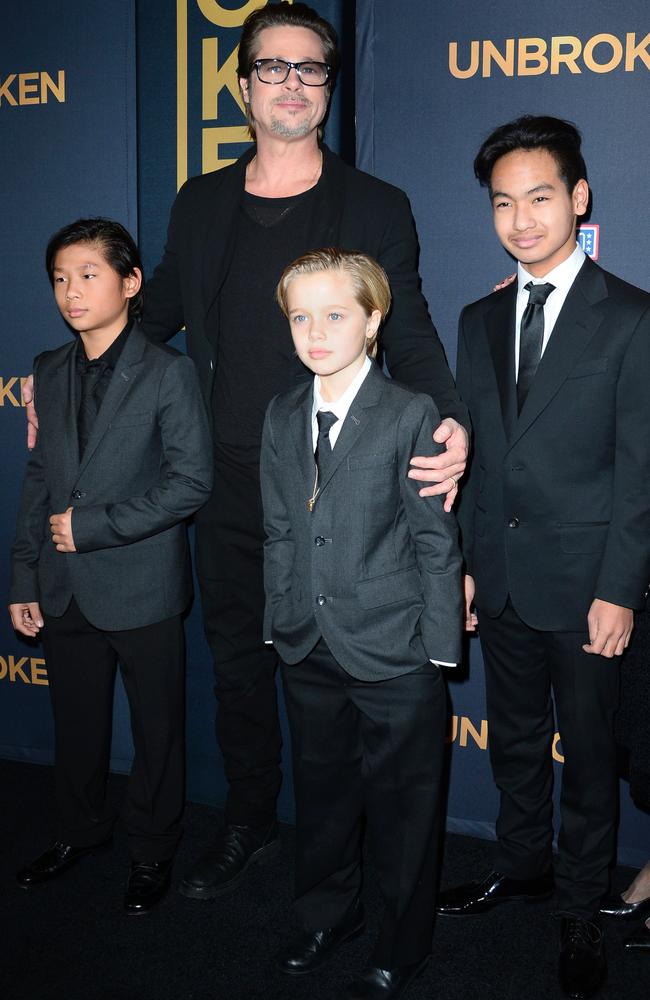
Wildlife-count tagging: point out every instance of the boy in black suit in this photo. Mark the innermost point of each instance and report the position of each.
(555, 522)
(363, 604)
(100, 561)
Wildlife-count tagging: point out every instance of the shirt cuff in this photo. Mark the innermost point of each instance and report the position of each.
(443, 663)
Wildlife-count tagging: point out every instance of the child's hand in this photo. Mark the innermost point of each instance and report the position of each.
(26, 618)
(30, 411)
(471, 619)
(61, 528)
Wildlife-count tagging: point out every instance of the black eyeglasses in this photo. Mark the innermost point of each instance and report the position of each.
(312, 74)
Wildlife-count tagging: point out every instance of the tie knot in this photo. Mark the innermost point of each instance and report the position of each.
(326, 420)
(538, 294)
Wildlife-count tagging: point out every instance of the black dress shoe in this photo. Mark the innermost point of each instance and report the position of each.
(495, 888)
(383, 984)
(309, 949)
(615, 906)
(639, 940)
(221, 868)
(582, 969)
(55, 861)
(147, 883)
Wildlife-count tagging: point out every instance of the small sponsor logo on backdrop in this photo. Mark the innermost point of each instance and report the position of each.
(23, 670)
(589, 238)
(564, 54)
(465, 734)
(19, 89)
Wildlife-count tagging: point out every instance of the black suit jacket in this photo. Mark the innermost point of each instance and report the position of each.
(146, 467)
(351, 210)
(556, 508)
(375, 568)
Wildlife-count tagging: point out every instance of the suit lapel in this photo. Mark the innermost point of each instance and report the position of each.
(126, 371)
(68, 401)
(221, 219)
(300, 427)
(500, 331)
(578, 321)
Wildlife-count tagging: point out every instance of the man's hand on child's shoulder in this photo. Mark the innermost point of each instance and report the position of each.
(27, 391)
(61, 528)
(26, 618)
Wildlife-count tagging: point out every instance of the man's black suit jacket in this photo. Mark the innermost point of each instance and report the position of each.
(350, 209)
(556, 508)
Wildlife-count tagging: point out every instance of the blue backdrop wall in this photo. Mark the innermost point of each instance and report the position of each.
(430, 87)
(68, 135)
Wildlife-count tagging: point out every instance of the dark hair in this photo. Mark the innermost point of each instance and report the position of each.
(287, 15)
(115, 242)
(558, 137)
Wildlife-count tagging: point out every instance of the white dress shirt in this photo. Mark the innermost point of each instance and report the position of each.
(562, 277)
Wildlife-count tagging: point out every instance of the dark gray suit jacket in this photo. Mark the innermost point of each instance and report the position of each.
(556, 507)
(375, 568)
(147, 466)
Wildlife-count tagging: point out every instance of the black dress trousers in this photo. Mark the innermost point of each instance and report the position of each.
(373, 752)
(229, 539)
(526, 672)
(81, 665)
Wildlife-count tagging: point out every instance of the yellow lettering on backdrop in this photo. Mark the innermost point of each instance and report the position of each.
(531, 58)
(454, 69)
(558, 57)
(217, 14)
(216, 77)
(5, 92)
(559, 757)
(506, 63)
(617, 53)
(57, 89)
(634, 51)
(39, 673)
(7, 391)
(467, 729)
(27, 87)
(218, 136)
(16, 669)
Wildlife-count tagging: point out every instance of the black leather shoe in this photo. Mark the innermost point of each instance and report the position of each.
(309, 949)
(495, 888)
(147, 883)
(582, 969)
(383, 984)
(639, 940)
(615, 906)
(221, 868)
(55, 861)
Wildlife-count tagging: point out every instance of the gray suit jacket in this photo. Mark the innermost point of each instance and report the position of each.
(375, 568)
(147, 466)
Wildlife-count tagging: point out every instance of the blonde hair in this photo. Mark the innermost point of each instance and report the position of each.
(369, 281)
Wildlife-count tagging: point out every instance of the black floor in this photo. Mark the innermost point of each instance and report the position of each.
(69, 940)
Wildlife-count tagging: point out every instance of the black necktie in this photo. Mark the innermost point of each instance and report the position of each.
(531, 338)
(91, 372)
(323, 453)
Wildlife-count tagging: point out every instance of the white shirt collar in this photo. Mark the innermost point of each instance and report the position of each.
(562, 276)
(342, 404)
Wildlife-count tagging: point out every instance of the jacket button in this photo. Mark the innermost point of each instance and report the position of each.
(319, 540)
(320, 600)
(77, 494)
(513, 522)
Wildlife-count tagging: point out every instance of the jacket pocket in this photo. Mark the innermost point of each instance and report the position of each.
(594, 366)
(132, 419)
(389, 588)
(586, 536)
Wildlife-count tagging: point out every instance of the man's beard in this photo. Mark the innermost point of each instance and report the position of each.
(286, 131)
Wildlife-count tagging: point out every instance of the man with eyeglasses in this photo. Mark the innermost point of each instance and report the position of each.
(231, 234)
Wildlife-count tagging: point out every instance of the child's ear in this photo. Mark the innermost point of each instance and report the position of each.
(374, 319)
(132, 283)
